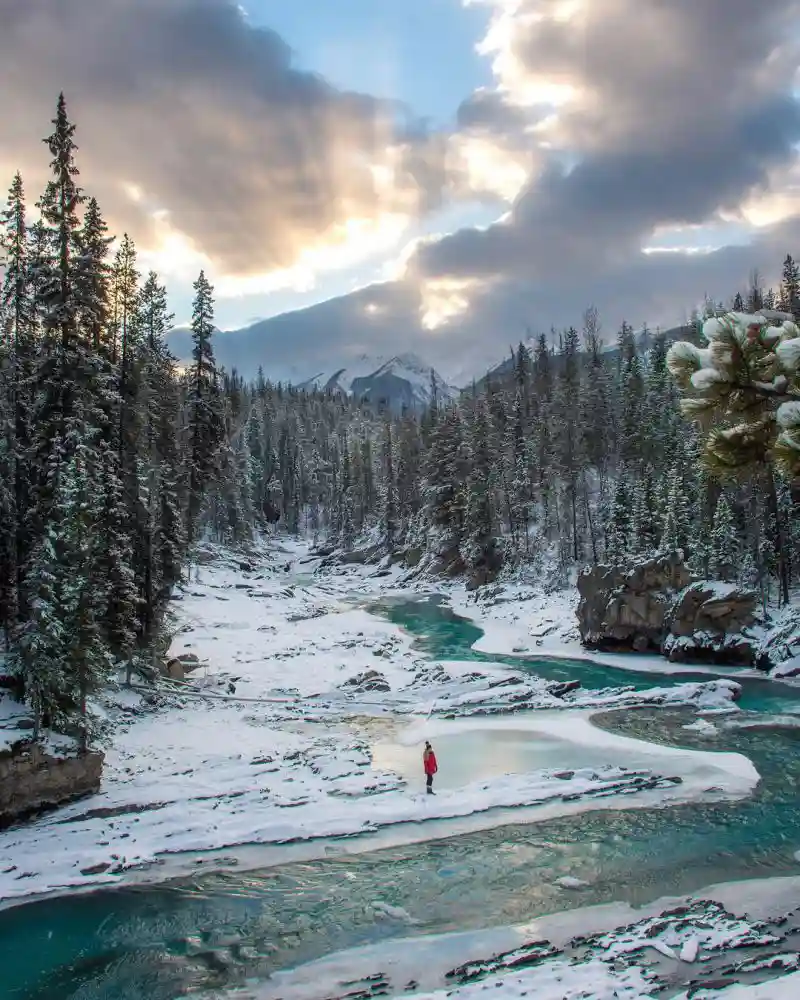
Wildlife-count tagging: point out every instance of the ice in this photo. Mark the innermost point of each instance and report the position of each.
(280, 760)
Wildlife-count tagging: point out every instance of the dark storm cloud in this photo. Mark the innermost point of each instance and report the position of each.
(683, 108)
(252, 159)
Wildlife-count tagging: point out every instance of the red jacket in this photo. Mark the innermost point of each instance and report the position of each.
(430, 764)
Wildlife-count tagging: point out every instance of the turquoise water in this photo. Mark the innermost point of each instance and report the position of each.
(442, 634)
(214, 931)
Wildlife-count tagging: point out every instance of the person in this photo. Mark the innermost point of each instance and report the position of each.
(430, 766)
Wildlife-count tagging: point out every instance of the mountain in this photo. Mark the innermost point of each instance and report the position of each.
(399, 383)
(403, 383)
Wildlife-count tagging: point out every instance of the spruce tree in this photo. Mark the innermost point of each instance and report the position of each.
(726, 554)
(790, 287)
(62, 655)
(205, 426)
(17, 346)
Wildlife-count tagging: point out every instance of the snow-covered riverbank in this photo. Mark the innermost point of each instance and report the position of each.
(272, 742)
(735, 941)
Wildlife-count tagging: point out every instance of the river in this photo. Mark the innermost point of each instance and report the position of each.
(213, 931)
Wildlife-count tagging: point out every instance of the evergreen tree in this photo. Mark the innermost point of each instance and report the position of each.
(619, 527)
(62, 656)
(205, 426)
(726, 555)
(790, 287)
(17, 343)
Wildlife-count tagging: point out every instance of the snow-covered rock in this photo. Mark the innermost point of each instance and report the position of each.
(708, 620)
(625, 607)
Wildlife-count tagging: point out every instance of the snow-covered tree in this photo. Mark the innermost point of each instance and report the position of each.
(726, 554)
(743, 389)
(205, 426)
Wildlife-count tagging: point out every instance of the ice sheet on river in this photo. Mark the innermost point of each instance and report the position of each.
(268, 744)
(684, 948)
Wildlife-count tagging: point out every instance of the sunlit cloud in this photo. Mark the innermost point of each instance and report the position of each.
(343, 247)
(443, 300)
(491, 169)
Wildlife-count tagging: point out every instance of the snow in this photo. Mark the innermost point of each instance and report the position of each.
(705, 378)
(789, 668)
(587, 953)
(292, 756)
(364, 368)
(521, 621)
(690, 950)
(788, 353)
(570, 882)
(702, 726)
(555, 981)
(788, 414)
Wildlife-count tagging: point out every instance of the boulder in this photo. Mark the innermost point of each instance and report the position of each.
(175, 670)
(370, 680)
(624, 607)
(780, 643)
(32, 780)
(708, 622)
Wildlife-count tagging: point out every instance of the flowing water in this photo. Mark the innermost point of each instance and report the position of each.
(213, 931)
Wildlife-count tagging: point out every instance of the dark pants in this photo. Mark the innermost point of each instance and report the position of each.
(429, 783)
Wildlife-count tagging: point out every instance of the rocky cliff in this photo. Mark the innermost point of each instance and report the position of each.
(657, 605)
(32, 779)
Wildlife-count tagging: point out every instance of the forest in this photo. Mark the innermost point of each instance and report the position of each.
(116, 461)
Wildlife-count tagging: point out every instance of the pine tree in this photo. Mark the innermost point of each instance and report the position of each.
(479, 545)
(677, 520)
(93, 277)
(726, 554)
(389, 499)
(115, 559)
(790, 287)
(645, 526)
(62, 656)
(619, 527)
(17, 345)
(205, 425)
(744, 392)
(63, 410)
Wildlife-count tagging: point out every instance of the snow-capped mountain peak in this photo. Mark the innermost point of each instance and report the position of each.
(399, 383)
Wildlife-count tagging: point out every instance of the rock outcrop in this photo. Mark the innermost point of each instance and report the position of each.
(625, 608)
(779, 648)
(370, 680)
(708, 621)
(32, 780)
(657, 606)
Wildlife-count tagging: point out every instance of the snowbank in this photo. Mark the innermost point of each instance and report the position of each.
(267, 743)
(601, 951)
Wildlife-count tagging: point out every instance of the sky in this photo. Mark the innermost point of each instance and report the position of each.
(437, 176)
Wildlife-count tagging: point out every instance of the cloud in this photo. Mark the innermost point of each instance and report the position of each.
(637, 117)
(677, 110)
(199, 136)
(609, 124)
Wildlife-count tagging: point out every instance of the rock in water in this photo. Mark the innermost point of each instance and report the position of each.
(625, 607)
(707, 622)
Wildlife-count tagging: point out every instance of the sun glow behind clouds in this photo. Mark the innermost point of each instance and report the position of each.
(344, 246)
(520, 85)
(444, 299)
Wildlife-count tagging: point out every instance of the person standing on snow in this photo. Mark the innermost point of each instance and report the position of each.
(430, 766)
